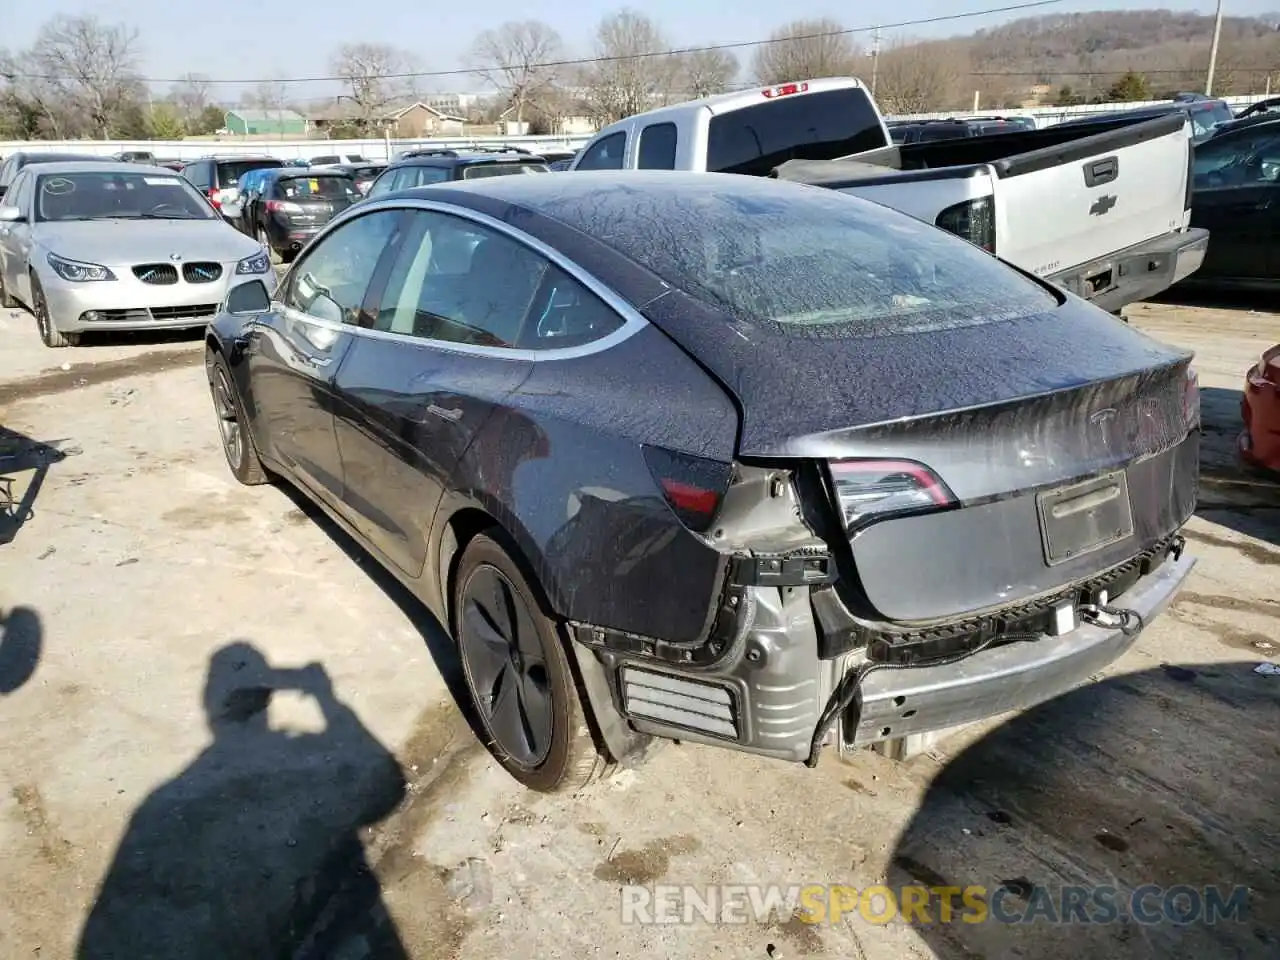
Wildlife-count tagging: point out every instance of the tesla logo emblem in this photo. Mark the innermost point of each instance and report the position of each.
(1102, 206)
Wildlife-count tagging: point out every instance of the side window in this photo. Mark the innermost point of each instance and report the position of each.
(7, 171)
(332, 278)
(457, 281)
(658, 147)
(200, 174)
(605, 154)
(460, 282)
(1243, 161)
(20, 192)
(384, 183)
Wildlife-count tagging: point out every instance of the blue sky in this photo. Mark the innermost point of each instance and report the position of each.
(235, 39)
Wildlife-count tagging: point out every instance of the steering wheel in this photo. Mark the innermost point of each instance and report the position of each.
(160, 208)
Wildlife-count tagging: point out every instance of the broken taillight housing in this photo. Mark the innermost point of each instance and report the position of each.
(974, 220)
(692, 486)
(869, 488)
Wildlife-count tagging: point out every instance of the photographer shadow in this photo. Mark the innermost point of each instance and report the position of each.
(254, 849)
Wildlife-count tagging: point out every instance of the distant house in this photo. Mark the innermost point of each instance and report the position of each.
(408, 121)
(269, 122)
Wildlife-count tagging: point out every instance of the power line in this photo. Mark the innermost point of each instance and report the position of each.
(587, 61)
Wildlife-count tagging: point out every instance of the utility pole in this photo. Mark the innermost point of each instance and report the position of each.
(875, 60)
(1213, 51)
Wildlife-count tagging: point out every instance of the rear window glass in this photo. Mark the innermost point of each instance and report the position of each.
(230, 172)
(476, 171)
(948, 131)
(328, 188)
(366, 173)
(808, 126)
(810, 262)
(1204, 119)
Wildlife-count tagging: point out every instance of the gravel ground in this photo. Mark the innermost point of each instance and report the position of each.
(360, 817)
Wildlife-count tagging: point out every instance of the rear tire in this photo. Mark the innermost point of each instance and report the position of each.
(518, 673)
(265, 240)
(233, 425)
(49, 334)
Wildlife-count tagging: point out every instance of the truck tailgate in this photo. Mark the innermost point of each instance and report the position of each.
(1080, 201)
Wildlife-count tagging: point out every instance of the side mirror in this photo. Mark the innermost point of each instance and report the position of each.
(11, 215)
(3, 190)
(251, 297)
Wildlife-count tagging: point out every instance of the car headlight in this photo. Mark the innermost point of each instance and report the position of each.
(258, 263)
(78, 272)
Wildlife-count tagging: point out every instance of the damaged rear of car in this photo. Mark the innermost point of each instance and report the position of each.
(956, 490)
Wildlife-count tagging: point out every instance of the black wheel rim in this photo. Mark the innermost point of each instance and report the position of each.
(505, 666)
(228, 419)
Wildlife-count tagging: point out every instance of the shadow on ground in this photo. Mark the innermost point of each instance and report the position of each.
(1166, 777)
(1258, 301)
(24, 464)
(249, 848)
(21, 643)
(1231, 494)
(439, 644)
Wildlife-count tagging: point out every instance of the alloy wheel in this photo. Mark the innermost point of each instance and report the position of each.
(506, 667)
(229, 426)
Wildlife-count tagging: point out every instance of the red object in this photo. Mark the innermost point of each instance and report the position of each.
(275, 206)
(687, 497)
(1259, 443)
(213, 198)
(785, 90)
(924, 478)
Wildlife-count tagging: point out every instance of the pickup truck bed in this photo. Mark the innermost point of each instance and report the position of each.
(1096, 208)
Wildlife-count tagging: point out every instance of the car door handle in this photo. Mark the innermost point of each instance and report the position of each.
(453, 415)
(315, 361)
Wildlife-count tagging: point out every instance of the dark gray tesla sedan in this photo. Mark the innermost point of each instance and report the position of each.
(720, 459)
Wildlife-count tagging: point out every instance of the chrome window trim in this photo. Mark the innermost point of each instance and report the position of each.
(632, 321)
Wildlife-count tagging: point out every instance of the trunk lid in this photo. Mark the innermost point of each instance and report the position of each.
(1061, 445)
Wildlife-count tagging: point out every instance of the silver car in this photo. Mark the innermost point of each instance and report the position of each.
(117, 246)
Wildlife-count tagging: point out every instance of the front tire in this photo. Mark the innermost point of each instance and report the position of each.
(49, 333)
(517, 671)
(233, 425)
(7, 301)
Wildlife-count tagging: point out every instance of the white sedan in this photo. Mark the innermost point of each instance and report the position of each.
(117, 246)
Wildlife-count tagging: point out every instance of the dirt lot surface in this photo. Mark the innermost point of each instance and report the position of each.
(151, 806)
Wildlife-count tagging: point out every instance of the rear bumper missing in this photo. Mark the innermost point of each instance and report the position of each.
(896, 703)
(1138, 272)
(766, 695)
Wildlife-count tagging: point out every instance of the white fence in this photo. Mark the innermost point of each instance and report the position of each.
(285, 149)
(385, 149)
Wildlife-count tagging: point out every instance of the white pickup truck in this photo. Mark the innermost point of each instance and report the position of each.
(1101, 210)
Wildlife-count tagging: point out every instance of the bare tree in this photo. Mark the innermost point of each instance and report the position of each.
(803, 50)
(635, 70)
(706, 72)
(919, 77)
(269, 96)
(190, 96)
(91, 64)
(515, 59)
(373, 74)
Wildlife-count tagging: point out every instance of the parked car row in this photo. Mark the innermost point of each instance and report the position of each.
(108, 245)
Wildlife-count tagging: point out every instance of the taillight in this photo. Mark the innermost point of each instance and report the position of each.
(974, 220)
(1191, 399)
(692, 486)
(868, 488)
(786, 90)
(283, 206)
(214, 198)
